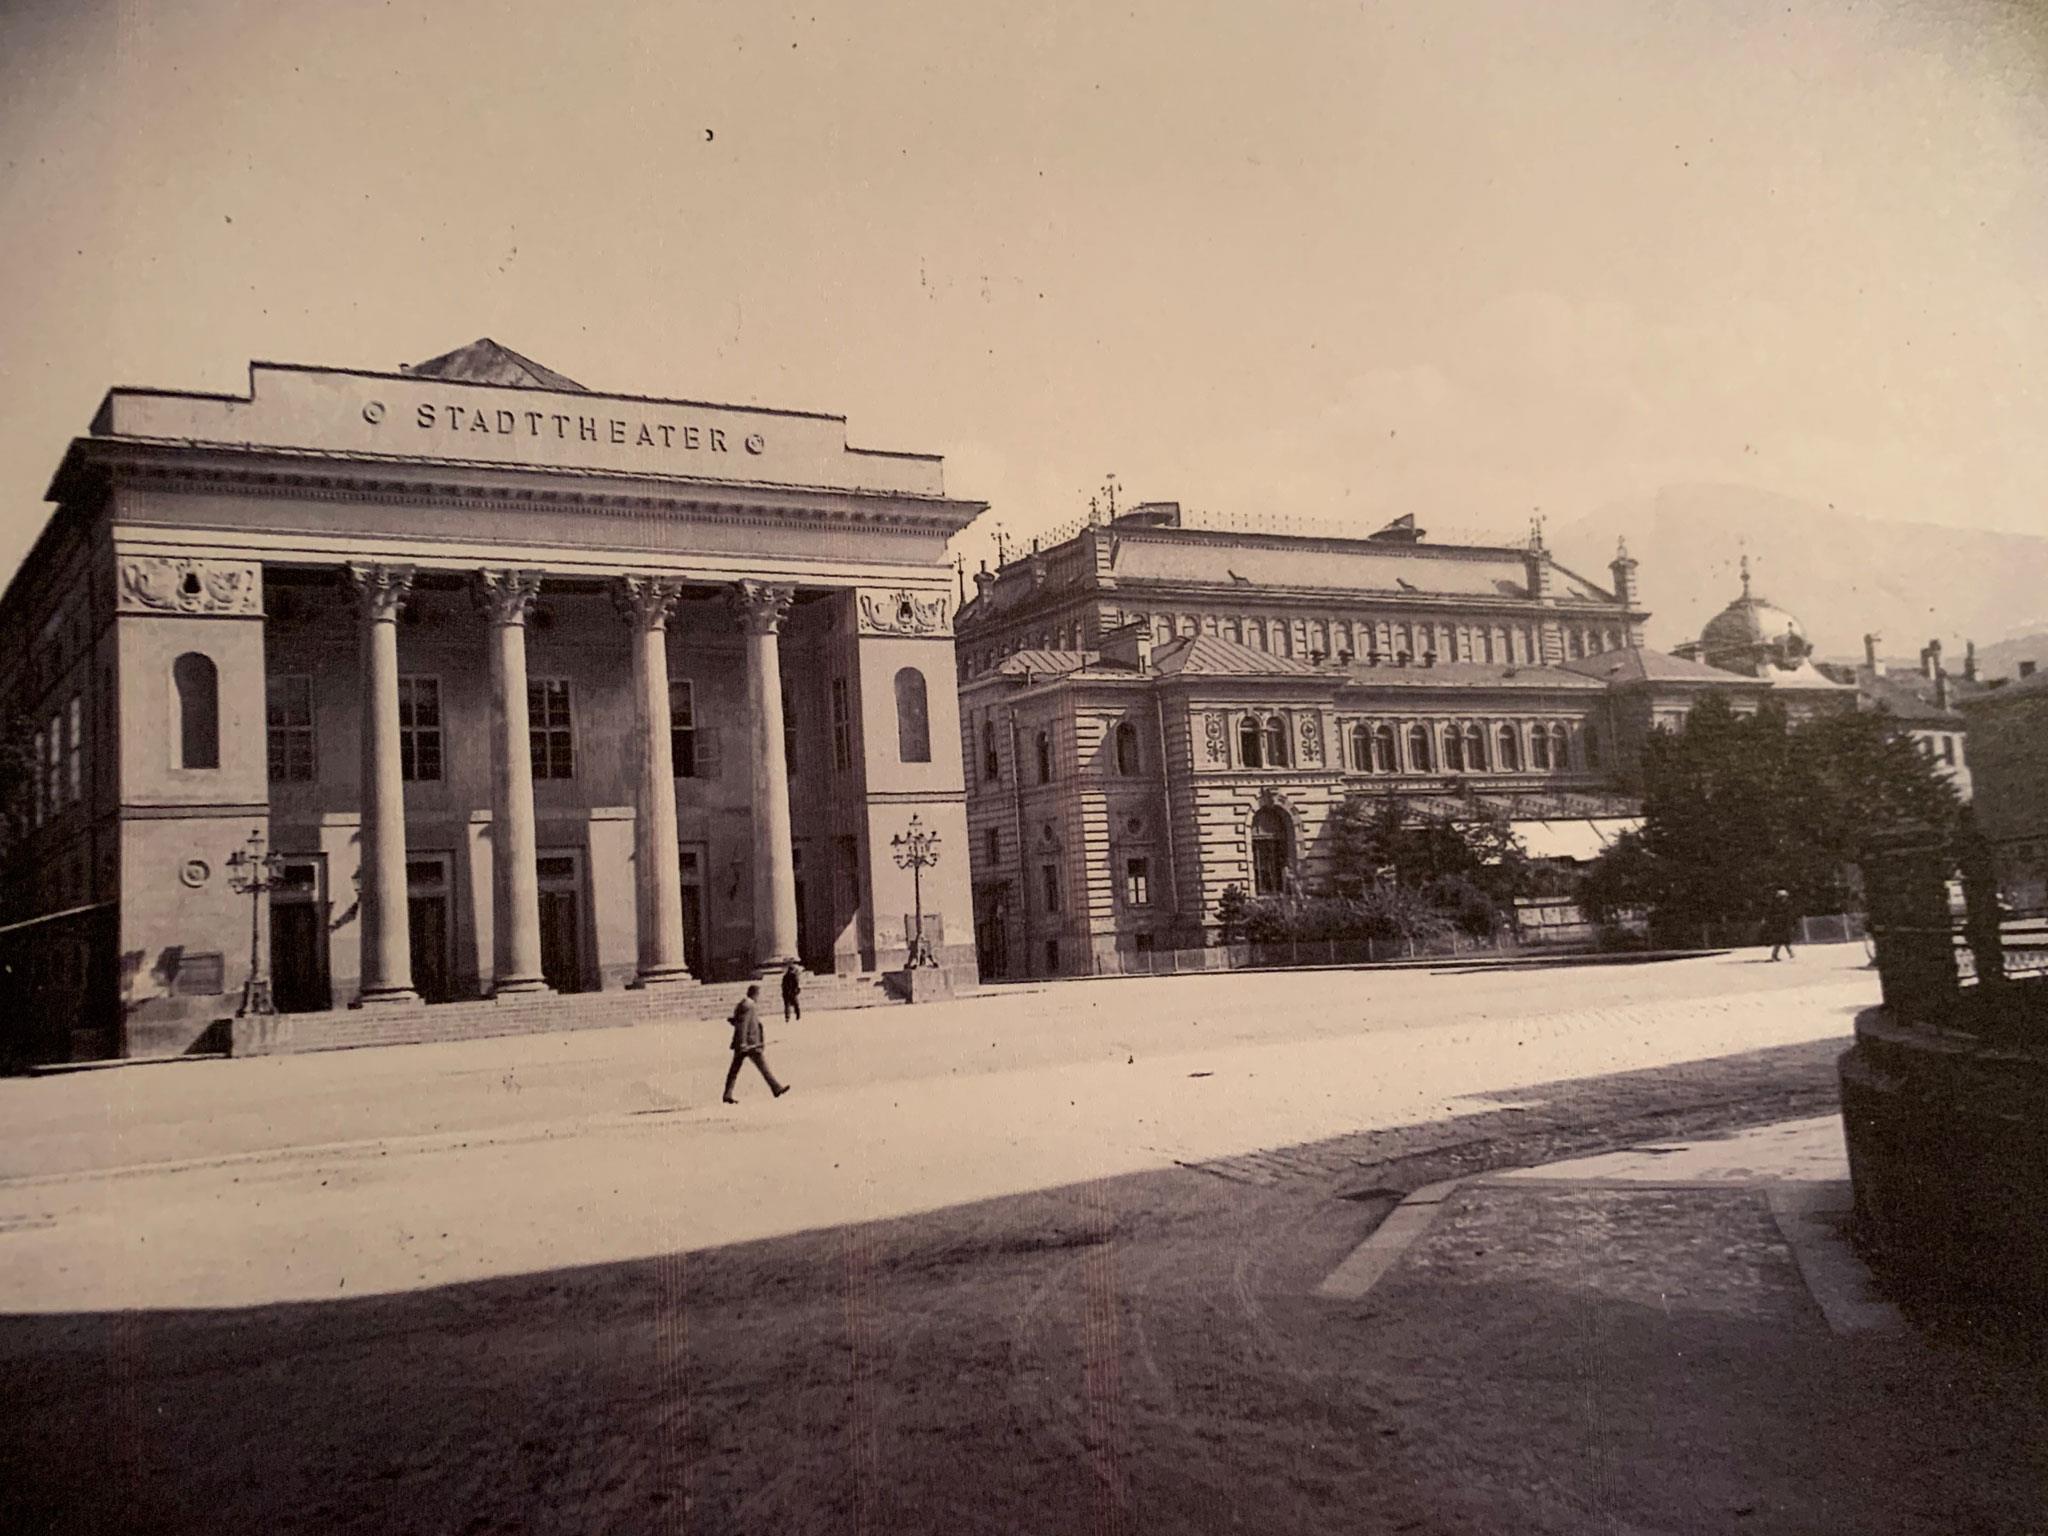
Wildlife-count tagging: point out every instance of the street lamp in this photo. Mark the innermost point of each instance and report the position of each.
(253, 873)
(917, 850)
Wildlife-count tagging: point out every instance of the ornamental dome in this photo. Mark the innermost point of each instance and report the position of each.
(1749, 629)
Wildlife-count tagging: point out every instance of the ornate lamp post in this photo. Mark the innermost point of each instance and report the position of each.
(917, 850)
(253, 872)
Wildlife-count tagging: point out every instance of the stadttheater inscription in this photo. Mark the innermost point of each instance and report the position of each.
(566, 426)
(400, 417)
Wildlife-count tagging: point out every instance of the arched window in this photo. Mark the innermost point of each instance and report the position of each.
(1383, 749)
(1044, 758)
(1272, 851)
(991, 765)
(1361, 749)
(1162, 628)
(198, 687)
(1560, 747)
(1276, 742)
(1420, 758)
(1251, 742)
(1283, 637)
(1233, 629)
(1475, 749)
(1189, 626)
(1539, 747)
(1126, 748)
(1454, 750)
(1508, 750)
(913, 721)
(1578, 639)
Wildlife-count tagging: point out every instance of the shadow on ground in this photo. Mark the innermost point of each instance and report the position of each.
(1136, 1354)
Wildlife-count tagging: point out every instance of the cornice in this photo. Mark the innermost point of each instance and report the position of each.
(311, 475)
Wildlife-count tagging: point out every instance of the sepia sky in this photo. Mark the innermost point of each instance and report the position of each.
(1457, 257)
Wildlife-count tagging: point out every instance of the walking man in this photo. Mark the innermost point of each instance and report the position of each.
(1781, 924)
(749, 1043)
(792, 984)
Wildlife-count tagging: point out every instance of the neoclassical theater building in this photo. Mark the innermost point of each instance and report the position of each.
(1154, 712)
(535, 689)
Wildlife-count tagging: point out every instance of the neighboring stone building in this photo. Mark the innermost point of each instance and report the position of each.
(1925, 703)
(2008, 733)
(1153, 713)
(532, 687)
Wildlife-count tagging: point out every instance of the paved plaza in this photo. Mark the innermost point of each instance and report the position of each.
(1053, 1259)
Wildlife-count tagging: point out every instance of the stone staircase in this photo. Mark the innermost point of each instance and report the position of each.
(546, 1013)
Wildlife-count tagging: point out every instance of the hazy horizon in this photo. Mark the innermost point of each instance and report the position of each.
(1471, 261)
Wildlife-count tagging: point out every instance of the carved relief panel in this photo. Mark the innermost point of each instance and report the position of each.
(176, 584)
(904, 612)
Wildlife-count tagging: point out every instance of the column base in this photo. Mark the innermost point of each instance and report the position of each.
(520, 986)
(385, 996)
(662, 975)
(771, 968)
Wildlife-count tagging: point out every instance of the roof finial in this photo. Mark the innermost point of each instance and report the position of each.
(1745, 576)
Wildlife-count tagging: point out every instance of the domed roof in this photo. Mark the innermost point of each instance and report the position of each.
(1748, 621)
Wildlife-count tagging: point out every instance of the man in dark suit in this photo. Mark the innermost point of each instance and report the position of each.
(750, 1043)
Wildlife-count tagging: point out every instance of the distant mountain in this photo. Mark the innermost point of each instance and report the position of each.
(1842, 575)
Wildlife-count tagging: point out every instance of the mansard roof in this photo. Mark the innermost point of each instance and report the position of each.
(485, 361)
(1214, 656)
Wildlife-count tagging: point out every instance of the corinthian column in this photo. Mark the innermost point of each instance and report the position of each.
(760, 609)
(387, 937)
(646, 602)
(506, 598)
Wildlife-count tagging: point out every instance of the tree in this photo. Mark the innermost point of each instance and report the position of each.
(1736, 807)
(1377, 838)
(1232, 912)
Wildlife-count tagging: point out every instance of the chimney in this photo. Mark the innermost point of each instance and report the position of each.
(2026, 669)
(1870, 656)
(1129, 645)
(984, 581)
(1536, 569)
(1969, 661)
(1930, 659)
(1940, 687)
(1624, 567)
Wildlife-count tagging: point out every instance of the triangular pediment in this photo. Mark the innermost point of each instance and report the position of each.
(485, 361)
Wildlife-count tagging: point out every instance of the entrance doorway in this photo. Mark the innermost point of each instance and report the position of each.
(692, 861)
(426, 913)
(992, 930)
(298, 938)
(561, 920)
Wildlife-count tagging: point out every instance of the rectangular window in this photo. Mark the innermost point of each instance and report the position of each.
(992, 844)
(74, 749)
(291, 728)
(1137, 882)
(682, 726)
(36, 774)
(548, 729)
(1948, 750)
(1049, 883)
(842, 728)
(1144, 945)
(419, 728)
(1052, 955)
(56, 765)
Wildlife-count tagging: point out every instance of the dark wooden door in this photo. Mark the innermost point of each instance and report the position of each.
(560, 962)
(427, 917)
(298, 957)
(693, 929)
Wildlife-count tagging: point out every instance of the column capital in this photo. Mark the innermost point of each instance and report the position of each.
(760, 606)
(380, 589)
(646, 602)
(505, 596)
